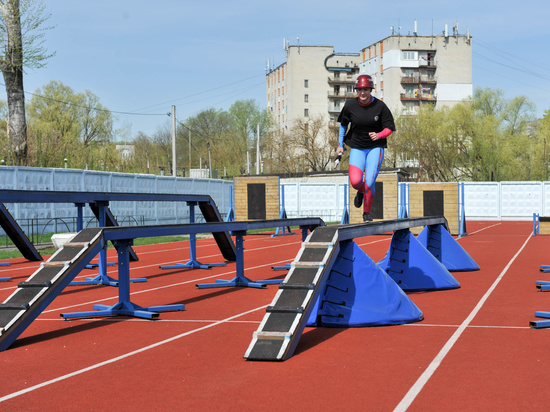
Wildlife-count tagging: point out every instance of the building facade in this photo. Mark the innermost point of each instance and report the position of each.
(408, 71)
(314, 81)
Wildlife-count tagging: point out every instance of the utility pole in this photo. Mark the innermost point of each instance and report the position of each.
(209, 161)
(258, 157)
(174, 141)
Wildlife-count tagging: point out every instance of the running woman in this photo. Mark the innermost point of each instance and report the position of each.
(370, 123)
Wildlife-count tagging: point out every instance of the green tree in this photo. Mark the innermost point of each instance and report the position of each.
(231, 134)
(22, 37)
(64, 124)
(312, 142)
(486, 138)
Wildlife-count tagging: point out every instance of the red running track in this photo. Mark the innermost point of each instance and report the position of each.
(474, 350)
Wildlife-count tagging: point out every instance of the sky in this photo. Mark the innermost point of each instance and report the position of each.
(140, 58)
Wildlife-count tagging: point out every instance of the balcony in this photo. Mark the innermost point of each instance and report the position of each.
(334, 109)
(341, 95)
(418, 97)
(345, 80)
(416, 79)
(426, 63)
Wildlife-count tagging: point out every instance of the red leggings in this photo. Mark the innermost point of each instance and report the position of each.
(364, 166)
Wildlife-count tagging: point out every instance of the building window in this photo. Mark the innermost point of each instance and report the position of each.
(409, 73)
(306, 98)
(306, 112)
(336, 75)
(409, 55)
(306, 83)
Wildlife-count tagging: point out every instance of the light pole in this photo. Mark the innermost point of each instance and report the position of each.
(174, 159)
(209, 161)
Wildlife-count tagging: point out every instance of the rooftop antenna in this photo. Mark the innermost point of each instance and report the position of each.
(415, 28)
(398, 32)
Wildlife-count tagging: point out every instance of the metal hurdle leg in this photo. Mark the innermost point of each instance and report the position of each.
(193, 263)
(102, 278)
(124, 307)
(240, 279)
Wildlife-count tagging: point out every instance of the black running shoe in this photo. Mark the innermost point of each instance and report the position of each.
(358, 201)
(367, 217)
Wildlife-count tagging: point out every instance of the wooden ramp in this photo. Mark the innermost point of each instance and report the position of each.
(211, 214)
(286, 318)
(16, 234)
(43, 286)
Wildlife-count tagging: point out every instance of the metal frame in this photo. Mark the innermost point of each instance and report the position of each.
(123, 236)
(102, 201)
(193, 263)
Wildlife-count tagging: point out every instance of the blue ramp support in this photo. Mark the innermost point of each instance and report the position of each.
(446, 249)
(18, 237)
(359, 293)
(413, 267)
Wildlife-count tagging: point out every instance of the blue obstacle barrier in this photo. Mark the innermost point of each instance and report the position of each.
(5, 279)
(359, 293)
(446, 249)
(413, 267)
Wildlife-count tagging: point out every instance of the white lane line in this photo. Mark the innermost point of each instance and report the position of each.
(430, 370)
(121, 357)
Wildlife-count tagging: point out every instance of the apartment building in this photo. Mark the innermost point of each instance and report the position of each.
(313, 81)
(408, 71)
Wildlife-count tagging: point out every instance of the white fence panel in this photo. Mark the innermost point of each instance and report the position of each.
(520, 199)
(324, 200)
(482, 200)
(545, 211)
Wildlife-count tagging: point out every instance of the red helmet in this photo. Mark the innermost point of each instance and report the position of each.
(364, 81)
